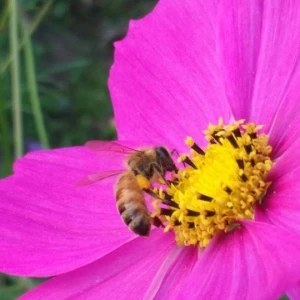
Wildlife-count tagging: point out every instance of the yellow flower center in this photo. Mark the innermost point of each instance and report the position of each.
(218, 186)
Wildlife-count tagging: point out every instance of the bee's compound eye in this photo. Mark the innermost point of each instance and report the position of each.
(165, 159)
(162, 152)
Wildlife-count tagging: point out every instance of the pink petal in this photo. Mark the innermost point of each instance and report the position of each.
(166, 81)
(257, 261)
(172, 274)
(281, 204)
(125, 273)
(276, 91)
(287, 162)
(49, 226)
(240, 25)
(294, 293)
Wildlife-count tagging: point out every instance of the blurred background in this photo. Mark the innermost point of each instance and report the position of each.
(54, 62)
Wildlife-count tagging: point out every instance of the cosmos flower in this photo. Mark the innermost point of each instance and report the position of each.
(184, 66)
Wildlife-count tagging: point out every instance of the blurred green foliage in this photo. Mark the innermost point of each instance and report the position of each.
(73, 48)
(12, 287)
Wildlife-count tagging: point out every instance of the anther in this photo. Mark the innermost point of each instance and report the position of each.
(191, 225)
(196, 148)
(191, 213)
(244, 177)
(166, 212)
(248, 148)
(210, 213)
(166, 200)
(174, 182)
(204, 198)
(152, 194)
(253, 135)
(228, 190)
(190, 142)
(170, 203)
(157, 222)
(177, 223)
(165, 196)
(232, 141)
(187, 160)
(237, 132)
(240, 163)
(216, 137)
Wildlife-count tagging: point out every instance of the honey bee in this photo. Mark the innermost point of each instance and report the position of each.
(143, 167)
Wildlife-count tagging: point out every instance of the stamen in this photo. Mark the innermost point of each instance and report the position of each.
(204, 198)
(187, 160)
(170, 203)
(192, 213)
(189, 141)
(248, 148)
(177, 223)
(167, 197)
(240, 163)
(172, 182)
(218, 186)
(191, 225)
(228, 190)
(216, 137)
(244, 177)
(166, 212)
(232, 141)
(151, 193)
(209, 213)
(237, 132)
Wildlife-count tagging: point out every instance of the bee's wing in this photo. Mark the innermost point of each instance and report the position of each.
(92, 178)
(109, 146)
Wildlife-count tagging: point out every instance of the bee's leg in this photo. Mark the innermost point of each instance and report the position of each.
(161, 174)
(157, 222)
(165, 181)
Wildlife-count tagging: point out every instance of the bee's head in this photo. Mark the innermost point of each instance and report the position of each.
(165, 160)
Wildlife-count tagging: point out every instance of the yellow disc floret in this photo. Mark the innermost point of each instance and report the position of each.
(218, 186)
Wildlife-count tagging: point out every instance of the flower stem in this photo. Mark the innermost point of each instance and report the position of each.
(38, 18)
(15, 84)
(4, 16)
(32, 88)
(4, 132)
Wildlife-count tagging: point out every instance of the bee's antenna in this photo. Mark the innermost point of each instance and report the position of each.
(177, 153)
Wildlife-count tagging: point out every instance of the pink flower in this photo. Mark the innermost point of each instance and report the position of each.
(185, 65)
